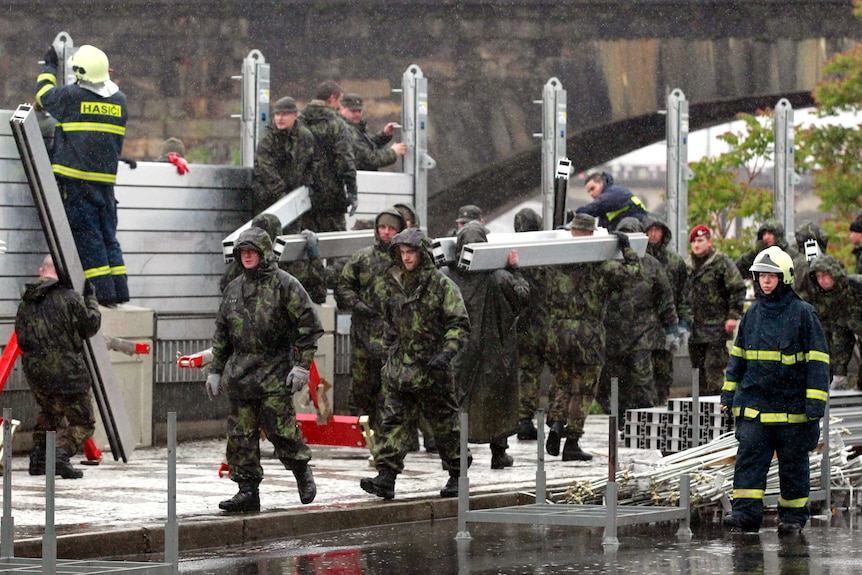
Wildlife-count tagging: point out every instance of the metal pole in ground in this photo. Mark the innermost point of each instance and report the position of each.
(171, 527)
(541, 478)
(7, 524)
(463, 484)
(610, 536)
(49, 539)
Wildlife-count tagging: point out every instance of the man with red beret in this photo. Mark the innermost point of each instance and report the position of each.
(717, 294)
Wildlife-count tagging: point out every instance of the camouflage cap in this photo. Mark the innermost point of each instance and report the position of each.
(352, 101)
(468, 214)
(582, 222)
(285, 105)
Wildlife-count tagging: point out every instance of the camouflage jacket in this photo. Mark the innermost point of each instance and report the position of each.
(642, 312)
(370, 152)
(840, 310)
(802, 283)
(745, 261)
(717, 294)
(333, 166)
(52, 323)
(265, 325)
(577, 296)
(362, 280)
(674, 267)
(282, 163)
(425, 313)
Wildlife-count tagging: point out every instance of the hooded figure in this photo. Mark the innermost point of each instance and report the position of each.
(770, 233)
(804, 232)
(486, 373)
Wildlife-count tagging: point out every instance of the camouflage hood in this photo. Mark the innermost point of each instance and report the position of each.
(388, 214)
(408, 212)
(808, 230)
(472, 233)
(777, 229)
(415, 238)
(258, 240)
(317, 111)
(528, 220)
(651, 220)
(828, 264)
(268, 223)
(629, 225)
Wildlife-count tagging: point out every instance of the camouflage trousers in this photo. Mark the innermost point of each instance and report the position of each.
(275, 416)
(711, 359)
(77, 408)
(634, 372)
(434, 399)
(532, 360)
(662, 369)
(572, 393)
(366, 389)
(323, 222)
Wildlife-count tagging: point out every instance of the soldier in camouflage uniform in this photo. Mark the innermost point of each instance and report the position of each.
(770, 233)
(532, 336)
(265, 339)
(856, 240)
(577, 296)
(805, 231)
(839, 303)
(333, 187)
(52, 323)
(659, 236)
(283, 159)
(643, 319)
(717, 295)
(426, 324)
(362, 292)
(370, 151)
(309, 271)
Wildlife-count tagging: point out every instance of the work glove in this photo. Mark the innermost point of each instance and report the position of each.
(441, 361)
(179, 162)
(297, 379)
(622, 240)
(212, 384)
(51, 58)
(352, 198)
(362, 309)
(89, 288)
(839, 382)
(312, 244)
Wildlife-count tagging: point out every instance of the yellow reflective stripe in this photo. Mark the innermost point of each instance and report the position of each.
(729, 386)
(737, 351)
(93, 127)
(816, 394)
(82, 175)
(797, 418)
(43, 90)
(750, 413)
(748, 493)
(792, 503)
(773, 418)
(637, 201)
(97, 272)
(118, 270)
(47, 77)
(818, 356)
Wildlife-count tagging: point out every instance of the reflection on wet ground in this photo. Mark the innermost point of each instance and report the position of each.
(833, 548)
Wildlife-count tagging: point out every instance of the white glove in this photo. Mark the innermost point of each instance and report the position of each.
(212, 384)
(2, 247)
(671, 342)
(297, 379)
(839, 382)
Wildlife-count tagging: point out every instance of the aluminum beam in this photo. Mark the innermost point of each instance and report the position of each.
(61, 244)
(332, 244)
(572, 250)
(444, 249)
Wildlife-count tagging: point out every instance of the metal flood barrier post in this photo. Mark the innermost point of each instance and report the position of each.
(553, 150)
(49, 564)
(678, 172)
(785, 178)
(255, 104)
(610, 516)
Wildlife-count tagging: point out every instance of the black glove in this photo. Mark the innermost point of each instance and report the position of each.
(362, 309)
(132, 163)
(89, 289)
(622, 240)
(352, 197)
(51, 58)
(441, 361)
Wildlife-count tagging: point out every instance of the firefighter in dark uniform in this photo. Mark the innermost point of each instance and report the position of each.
(91, 124)
(777, 388)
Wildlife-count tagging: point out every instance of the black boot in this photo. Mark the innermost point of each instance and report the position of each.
(37, 460)
(246, 500)
(573, 452)
(499, 458)
(451, 487)
(552, 445)
(527, 431)
(382, 486)
(64, 467)
(305, 484)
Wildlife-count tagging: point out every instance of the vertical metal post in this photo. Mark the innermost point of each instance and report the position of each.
(678, 172)
(65, 49)
(49, 538)
(463, 483)
(255, 104)
(553, 149)
(826, 463)
(684, 528)
(7, 523)
(785, 177)
(414, 129)
(695, 407)
(171, 527)
(541, 479)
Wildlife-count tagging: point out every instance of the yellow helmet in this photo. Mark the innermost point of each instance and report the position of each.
(90, 65)
(773, 260)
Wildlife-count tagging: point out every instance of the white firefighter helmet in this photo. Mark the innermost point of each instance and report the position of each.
(91, 65)
(773, 260)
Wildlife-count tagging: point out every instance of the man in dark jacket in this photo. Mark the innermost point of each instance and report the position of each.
(486, 371)
(283, 160)
(425, 324)
(333, 166)
(777, 388)
(610, 202)
(91, 119)
(52, 323)
(370, 151)
(265, 339)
